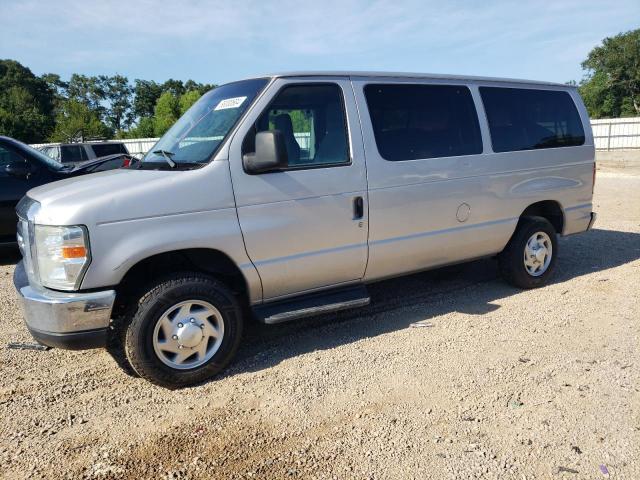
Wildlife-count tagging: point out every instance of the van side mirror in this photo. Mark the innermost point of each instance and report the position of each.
(270, 154)
(19, 169)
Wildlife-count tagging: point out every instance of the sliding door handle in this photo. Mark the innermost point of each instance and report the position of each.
(358, 208)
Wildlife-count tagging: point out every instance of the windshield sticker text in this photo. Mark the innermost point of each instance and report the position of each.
(230, 103)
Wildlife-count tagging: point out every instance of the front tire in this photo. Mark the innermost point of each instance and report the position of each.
(529, 259)
(183, 330)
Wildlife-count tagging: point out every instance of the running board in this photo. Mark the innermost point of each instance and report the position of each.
(312, 304)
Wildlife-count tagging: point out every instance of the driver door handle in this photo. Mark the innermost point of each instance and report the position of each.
(358, 208)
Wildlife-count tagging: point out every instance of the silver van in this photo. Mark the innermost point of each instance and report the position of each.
(283, 196)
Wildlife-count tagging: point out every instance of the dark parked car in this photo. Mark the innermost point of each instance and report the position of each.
(23, 168)
(79, 153)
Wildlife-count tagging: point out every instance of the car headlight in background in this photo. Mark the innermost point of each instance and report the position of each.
(62, 255)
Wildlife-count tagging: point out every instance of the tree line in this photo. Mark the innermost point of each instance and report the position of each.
(44, 108)
(611, 86)
(36, 109)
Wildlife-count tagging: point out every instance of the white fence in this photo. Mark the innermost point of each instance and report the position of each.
(608, 134)
(616, 133)
(139, 146)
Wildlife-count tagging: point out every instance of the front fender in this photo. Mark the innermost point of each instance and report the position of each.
(119, 245)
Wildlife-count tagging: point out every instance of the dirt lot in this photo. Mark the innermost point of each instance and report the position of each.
(505, 384)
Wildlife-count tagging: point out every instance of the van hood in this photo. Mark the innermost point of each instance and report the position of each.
(121, 195)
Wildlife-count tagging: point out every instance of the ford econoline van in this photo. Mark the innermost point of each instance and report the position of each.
(283, 196)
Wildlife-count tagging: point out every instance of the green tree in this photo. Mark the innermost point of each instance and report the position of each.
(175, 87)
(144, 129)
(57, 86)
(187, 99)
(118, 94)
(611, 87)
(146, 94)
(166, 112)
(300, 120)
(75, 116)
(26, 103)
(200, 87)
(87, 90)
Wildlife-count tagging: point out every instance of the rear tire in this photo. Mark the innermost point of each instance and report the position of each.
(183, 330)
(529, 259)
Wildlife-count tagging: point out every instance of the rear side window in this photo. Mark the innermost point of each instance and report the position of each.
(423, 121)
(73, 153)
(526, 119)
(102, 150)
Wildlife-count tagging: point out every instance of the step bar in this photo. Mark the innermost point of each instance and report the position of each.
(312, 304)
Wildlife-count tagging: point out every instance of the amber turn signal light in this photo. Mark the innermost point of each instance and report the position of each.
(74, 252)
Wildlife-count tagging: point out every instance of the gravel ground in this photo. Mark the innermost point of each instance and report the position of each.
(504, 384)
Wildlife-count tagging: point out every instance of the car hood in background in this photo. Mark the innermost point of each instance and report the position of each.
(78, 168)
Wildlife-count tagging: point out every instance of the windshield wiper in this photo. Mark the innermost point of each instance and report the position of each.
(166, 155)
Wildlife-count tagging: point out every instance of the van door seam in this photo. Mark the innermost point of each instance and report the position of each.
(366, 173)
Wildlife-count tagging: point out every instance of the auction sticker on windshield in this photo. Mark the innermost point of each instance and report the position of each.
(234, 102)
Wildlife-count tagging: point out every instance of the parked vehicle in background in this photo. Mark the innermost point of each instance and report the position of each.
(229, 212)
(23, 168)
(77, 153)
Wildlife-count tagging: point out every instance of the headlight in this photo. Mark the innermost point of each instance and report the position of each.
(62, 256)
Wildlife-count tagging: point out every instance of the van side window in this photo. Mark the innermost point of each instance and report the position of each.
(73, 153)
(104, 149)
(423, 121)
(312, 120)
(527, 119)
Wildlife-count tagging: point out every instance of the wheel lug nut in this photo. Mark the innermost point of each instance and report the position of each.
(180, 325)
(192, 320)
(175, 337)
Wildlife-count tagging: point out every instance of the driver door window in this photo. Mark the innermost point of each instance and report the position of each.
(8, 157)
(312, 121)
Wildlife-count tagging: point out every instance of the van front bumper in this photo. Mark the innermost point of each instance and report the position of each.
(69, 320)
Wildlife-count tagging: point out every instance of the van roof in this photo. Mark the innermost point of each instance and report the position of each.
(434, 76)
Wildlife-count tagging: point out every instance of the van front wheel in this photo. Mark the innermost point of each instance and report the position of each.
(183, 330)
(529, 259)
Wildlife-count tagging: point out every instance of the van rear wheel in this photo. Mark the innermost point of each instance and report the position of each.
(183, 330)
(529, 259)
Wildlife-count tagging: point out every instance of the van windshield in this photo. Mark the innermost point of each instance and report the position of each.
(195, 137)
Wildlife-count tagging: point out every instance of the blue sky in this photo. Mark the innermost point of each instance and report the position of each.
(219, 41)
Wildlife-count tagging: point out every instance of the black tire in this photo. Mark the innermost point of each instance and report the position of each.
(157, 299)
(115, 348)
(511, 259)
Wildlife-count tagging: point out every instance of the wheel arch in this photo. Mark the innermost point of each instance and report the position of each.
(551, 210)
(203, 260)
